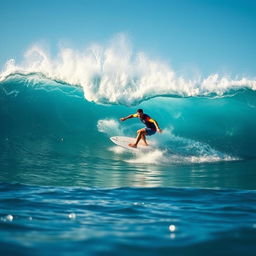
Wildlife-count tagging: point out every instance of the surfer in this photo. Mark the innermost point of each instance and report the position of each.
(150, 129)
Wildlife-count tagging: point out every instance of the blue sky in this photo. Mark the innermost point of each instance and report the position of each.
(209, 36)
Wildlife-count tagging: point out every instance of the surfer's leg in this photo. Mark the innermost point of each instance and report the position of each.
(143, 137)
(140, 132)
(148, 132)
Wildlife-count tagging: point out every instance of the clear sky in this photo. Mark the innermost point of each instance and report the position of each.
(208, 35)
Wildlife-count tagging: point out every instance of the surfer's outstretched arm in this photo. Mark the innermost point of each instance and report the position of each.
(127, 117)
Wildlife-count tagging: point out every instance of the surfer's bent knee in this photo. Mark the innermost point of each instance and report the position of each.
(141, 131)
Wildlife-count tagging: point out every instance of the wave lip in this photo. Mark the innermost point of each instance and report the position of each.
(116, 75)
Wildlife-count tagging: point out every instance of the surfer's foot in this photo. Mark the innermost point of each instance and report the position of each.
(145, 144)
(132, 145)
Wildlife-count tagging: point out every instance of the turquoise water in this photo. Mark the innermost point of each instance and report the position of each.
(65, 188)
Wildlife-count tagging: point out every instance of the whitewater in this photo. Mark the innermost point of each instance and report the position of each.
(66, 188)
(113, 74)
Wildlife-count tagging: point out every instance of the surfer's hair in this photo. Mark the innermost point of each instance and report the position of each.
(140, 110)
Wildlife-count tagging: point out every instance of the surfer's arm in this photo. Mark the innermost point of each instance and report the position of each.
(127, 117)
(156, 124)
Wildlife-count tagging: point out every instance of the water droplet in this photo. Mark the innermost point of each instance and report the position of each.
(172, 228)
(9, 217)
(72, 215)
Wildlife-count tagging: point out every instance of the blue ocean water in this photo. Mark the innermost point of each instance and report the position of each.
(140, 221)
(65, 188)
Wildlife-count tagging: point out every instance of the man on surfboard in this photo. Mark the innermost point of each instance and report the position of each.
(150, 129)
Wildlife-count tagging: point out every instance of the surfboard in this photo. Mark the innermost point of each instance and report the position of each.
(123, 141)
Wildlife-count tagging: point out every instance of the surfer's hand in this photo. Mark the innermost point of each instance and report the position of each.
(122, 119)
(159, 130)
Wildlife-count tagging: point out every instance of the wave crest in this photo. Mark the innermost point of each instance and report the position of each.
(113, 74)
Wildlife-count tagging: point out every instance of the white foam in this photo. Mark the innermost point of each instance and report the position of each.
(113, 74)
(174, 149)
(109, 126)
(151, 157)
(117, 150)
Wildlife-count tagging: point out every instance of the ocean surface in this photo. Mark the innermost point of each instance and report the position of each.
(65, 188)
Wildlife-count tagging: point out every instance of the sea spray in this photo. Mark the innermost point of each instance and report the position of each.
(114, 74)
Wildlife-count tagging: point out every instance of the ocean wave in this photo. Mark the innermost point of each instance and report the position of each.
(211, 120)
(202, 129)
(113, 74)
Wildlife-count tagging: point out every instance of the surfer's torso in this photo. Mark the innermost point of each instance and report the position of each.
(146, 119)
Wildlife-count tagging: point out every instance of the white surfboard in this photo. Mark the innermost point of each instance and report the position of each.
(123, 141)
